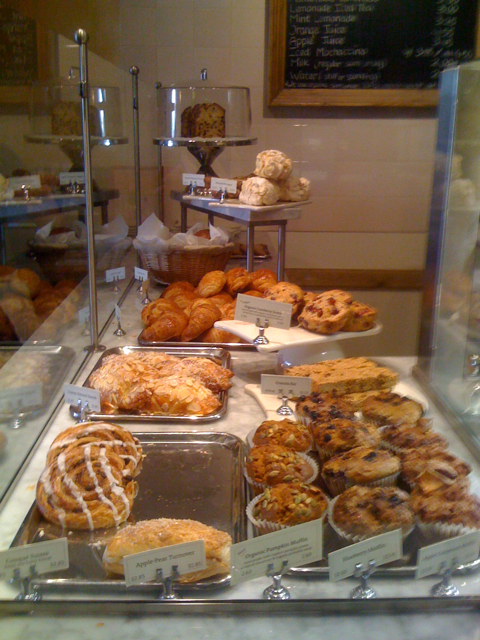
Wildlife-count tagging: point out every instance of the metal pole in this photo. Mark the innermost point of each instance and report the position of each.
(136, 148)
(81, 38)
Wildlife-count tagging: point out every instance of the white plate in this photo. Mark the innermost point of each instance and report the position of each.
(295, 336)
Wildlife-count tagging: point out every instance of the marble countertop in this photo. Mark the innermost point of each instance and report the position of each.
(243, 414)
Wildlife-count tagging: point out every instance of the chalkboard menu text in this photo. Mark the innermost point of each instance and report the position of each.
(18, 48)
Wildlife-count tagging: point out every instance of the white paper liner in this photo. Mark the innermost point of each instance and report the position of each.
(259, 487)
(442, 530)
(352, 539)
(336, 487)
(266, 526)
(251, 444)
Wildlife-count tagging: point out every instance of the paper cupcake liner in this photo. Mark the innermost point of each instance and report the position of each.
(305, 420)
(259, 487)
(442, 530)
(337, 486)
(266, 526)
(251, 444)
(350, 538)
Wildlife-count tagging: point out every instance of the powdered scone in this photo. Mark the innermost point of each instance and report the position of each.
(271, 464)
(286, 292)
(286, 505)
(322, 407)
(287, 433)
(327, 313)
(404, 437)
(363, 512)
(339, 435)
(362, 465)
(362, 317)
(389, 408)
(439, 463)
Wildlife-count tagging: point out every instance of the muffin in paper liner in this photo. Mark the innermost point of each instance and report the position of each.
(350, 538)
(336, 487)
(266, 526)
(258, 487)
(442, 530)
(251, 444)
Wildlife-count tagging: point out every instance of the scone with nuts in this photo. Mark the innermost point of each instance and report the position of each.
(327, 313)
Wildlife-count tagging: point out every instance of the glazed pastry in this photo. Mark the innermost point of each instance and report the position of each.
(273, 164)
(211, 284)
(175, 287)
(86, 489)
(164, 532)
(294, 189)
(203, 314)
(286, 292)
(262, 280)
(238, 279)
(327, 313)
(259, 191)
(389, 408)
(362, 317)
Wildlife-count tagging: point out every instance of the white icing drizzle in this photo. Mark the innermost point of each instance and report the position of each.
(116, 488)
(74, 489)
(98, 489)
(47, 487)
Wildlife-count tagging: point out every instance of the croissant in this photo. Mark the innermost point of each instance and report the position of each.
(253, 293)
(85, 489)
(262, 279)
(221, 298)
(170, 325)
(183, 298)
(238, 279)
(228, 311)
(175, 287)
(217, 336)
(158, 309)
(211, 284)
(202, 316)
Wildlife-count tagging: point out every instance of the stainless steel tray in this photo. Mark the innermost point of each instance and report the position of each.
(61, 358)
(184, 475)
(231, 346)
(218, 355)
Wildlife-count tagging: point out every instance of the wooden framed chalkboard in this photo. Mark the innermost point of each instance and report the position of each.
(23, 54)
(366, 52)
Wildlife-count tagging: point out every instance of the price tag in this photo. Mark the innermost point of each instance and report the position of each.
(462, 549)
(141, 274)
(43, 556)
(67, 177)
(142, 567)
(285, 385)
(84, 315)
(33, 182)
(249, 309)
(17, 398)
(222, 184)
(115, 274)
(73, 394)
(296, 545)
(384, 548)
(195, 179)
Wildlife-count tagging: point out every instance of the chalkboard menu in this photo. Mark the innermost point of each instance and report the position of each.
(18, 48)
(395, 48)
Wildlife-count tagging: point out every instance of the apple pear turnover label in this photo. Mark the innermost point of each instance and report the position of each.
(34, 559)
(258, 310)
(181, 558)
(448, 554)
(292, 547)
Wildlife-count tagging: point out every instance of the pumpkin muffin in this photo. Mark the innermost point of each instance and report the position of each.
(323, 407)
(389, 408)
(286, 505)
(363, 512)
(339, 435)
(271, 464)
(362, 465)
(286, 433)
(404, 437)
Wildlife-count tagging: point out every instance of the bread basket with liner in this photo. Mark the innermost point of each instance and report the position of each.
(183, 256)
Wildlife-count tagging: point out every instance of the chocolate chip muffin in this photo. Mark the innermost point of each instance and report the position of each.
(270, 464)
(286, 505)
(339, 435)
(287, 433)
(363, 512)
(362, 465)
(437, 462)
(389, 408)
(404, 437)
(323, 407)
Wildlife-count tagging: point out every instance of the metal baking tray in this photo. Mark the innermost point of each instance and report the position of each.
(60, 357)
(184, 475)
(218, 355)
(231, 346)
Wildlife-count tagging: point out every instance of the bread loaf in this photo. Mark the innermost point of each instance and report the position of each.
(206, 120)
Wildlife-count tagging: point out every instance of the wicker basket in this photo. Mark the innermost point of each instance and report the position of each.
(189, 263)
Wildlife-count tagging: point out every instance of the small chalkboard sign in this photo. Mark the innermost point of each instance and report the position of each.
(366, 52)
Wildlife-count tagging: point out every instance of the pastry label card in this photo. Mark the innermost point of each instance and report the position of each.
(193, 179)
(289, 386)
(115, 274)
(143, 567)
(251, 309)
(34, 559)
(448, 554)
(295, 546)
(69, 178)
(222, 184)
(141, 274)
(18, 398)
(18, 182)
(381, 549)
(79, 396)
